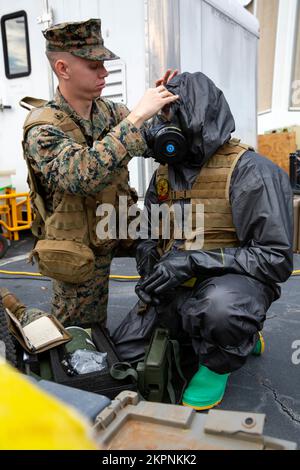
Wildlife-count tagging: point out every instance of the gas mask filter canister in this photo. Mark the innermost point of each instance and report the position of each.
(167, 143)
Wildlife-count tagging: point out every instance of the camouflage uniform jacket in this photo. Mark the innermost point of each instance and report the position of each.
(62, 165)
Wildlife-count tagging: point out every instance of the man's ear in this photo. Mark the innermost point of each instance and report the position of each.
(62, 69)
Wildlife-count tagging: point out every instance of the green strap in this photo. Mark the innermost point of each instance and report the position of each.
(176, 355)
(173, 357)
(122, 370)
(170, 388)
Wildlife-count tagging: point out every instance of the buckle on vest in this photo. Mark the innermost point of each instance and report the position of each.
(177, 195)
(234, 141)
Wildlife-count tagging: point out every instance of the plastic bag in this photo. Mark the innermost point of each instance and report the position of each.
(83, 361)
(134, 333)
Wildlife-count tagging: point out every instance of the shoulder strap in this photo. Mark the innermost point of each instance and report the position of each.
(28, 102)
(173, 358)
(40, 114)
(234, 163)
(233, 146)
(241, 148)
(37, 198)
(53, 117)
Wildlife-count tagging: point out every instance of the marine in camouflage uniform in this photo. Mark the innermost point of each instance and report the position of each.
(61, 164)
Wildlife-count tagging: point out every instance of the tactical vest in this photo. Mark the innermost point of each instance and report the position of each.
(74, 219)
(211, 188)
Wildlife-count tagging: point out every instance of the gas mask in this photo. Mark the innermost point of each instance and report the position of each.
(166, 142)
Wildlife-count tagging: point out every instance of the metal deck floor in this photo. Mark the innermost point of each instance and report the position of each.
(269, 384)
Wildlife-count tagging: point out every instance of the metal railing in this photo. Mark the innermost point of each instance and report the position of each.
(12, 207)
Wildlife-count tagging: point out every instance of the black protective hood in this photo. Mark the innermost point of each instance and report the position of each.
(204, 115)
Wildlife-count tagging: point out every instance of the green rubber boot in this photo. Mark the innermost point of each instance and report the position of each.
(205, 390)
(259, 348)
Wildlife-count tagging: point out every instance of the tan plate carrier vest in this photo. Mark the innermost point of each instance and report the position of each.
(67, 237)
(211, 188)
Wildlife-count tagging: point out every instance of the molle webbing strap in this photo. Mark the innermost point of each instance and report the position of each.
(220, 161)
(41, 115)
(37, 198)
(214, 178)
(211, 188)
(196, 194)
(232, 170)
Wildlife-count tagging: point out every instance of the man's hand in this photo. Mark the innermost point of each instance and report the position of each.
(146, 257)
(171, 271)
(153, 101)
(143, 296)
(167, 77)
(163, 81)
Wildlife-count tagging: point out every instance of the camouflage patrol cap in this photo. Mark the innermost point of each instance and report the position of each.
(83, 39)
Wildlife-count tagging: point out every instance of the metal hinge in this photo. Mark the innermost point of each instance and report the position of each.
(46, 17)
(4, 106)
(249, 426)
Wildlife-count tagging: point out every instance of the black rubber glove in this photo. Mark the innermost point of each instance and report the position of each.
(146, 298)
(171, 271)
(146, 257)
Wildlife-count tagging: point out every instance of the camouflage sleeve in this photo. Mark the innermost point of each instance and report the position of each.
(121, 111)
(73, 168)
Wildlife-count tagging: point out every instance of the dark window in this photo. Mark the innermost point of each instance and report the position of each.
(16, 45)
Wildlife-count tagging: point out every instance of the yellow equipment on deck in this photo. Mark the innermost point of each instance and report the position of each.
(30, 419)
(12, 207)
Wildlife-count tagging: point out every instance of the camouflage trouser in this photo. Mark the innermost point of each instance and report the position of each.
(77, 304)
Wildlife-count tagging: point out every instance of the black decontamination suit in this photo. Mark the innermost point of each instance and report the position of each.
(227, 307)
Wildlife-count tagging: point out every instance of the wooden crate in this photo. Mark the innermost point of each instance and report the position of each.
(277, 147)
(288, 129)
(296, 244)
